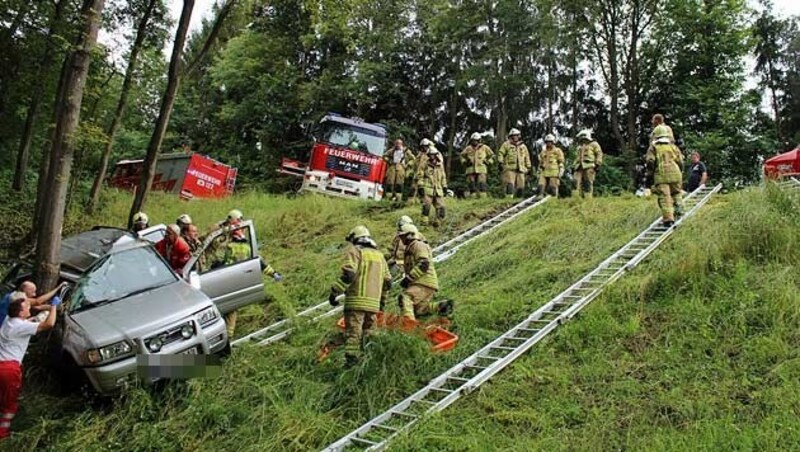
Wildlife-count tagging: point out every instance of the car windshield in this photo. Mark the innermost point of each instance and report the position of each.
(120, 275)
(352, 137)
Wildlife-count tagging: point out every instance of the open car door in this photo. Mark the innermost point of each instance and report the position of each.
(154, 234)
(227, 267)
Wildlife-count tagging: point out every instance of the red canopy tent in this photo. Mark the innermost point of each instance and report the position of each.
(787, 164)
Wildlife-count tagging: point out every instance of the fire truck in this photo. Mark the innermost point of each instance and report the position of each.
(783, 165)
(346, 159)
(188, 174)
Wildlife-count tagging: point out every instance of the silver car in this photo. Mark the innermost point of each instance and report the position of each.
(125, 303)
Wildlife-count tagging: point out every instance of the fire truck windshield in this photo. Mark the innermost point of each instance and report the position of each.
(355, 138)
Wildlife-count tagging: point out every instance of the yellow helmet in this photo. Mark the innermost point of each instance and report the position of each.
(661, 131)
(405, 219)
(357, 232)
(408, 229)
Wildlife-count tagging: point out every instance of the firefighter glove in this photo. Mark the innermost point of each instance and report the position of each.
(277, 277)
(332, 298)
(55, 301)
(405, 282)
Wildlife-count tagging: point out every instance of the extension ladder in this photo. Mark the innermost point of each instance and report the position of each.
(281, 329)
(790, 182)
(469, 374)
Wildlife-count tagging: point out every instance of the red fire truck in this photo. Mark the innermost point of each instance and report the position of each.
(346, 159)
(189, 174)
(783, 165)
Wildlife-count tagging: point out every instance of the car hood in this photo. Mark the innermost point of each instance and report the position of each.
(141, 315)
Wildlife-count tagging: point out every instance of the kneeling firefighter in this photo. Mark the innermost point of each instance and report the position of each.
(365, 282)
(420, 282)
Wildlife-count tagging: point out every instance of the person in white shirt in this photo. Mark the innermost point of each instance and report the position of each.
(15, 333)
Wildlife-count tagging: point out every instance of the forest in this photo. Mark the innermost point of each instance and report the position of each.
(248, 85)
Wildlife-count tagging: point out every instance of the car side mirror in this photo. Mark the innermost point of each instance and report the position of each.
(194, 279)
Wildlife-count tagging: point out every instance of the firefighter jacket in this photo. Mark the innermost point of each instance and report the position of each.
(551, 161)
(419, 165)
(667, 160)
(514, 157)
(365, 279)
(399, 159)
(590, 155)
(433, 180)
(477, 158)
(418, 265)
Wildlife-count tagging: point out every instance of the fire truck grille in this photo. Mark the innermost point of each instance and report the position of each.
(338, 164)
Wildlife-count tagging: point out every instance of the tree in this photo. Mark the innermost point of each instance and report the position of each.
(167, 102)
(768, 31)
(63, 146)
(141, 34)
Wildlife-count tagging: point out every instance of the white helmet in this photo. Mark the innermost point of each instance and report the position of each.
(585, 133)
(513, 132)
(184, 220)
(141, 217)
(432, 151)
(405, 219)
(549, 138)
(425, 142)
(235, 214)
(475, 136)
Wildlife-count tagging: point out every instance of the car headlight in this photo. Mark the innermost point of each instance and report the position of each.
(155, 344)
(207, 316)
(187, 331)
(109, 352)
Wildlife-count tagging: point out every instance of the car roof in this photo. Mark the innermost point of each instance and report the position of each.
(82, 250)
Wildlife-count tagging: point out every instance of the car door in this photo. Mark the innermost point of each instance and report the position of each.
(154, 234)
(231, 280)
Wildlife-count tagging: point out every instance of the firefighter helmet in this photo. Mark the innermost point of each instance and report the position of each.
(549, 138)
(475, 136)
(425, 143)
(235, 214)
(513, 132)
(357, 232)
(408, 229)
(661, 131)
(585, 134)
(184, 220)
(141, 218)
(405, 219)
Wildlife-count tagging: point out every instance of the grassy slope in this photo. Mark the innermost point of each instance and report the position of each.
(623, 374)
(279, 397)
(696, 349)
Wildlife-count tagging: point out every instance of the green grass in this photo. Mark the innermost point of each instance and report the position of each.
(696, 349)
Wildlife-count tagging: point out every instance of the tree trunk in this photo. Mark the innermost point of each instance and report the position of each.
(45, 66)
(212, 36)
(502, 121)
(116, 121)
(167, 102)
(451, 140)
(63, 147)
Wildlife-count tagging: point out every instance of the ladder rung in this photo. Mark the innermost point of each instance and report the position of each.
(364, 441)
(401, 413)
(458, 378)
(500, 347)
(541, 320)
(449, 391)
(386, 427)
(529, 330)
(491, 357)
(470, 366)
(515, 338)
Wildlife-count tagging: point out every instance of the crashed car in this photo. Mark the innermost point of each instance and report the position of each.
(123, 302)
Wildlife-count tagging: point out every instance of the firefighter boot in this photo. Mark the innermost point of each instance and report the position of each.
(445, 308)
(441, 212)
(426, 214)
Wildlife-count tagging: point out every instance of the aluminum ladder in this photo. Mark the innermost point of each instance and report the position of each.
(283, 328)
(790, 182)
(469, 374)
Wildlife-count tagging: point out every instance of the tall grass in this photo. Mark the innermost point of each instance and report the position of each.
(279, 397)
(697, 349)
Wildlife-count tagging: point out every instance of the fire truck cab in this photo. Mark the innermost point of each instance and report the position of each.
(346, 159)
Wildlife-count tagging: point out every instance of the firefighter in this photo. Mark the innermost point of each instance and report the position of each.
(551, 166)
(140, 222)
(398, 160)
(433, 187)
(174, 249)
(420, 162)
(515, 162)
(587, 163)
(15, 334)
(365, 281)
(476, 157)
(419, 282)
(665, 160)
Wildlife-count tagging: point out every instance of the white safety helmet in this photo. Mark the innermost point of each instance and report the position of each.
(174, 228)
(184, 220)
(549, 138)
(585, 134)
(235, 214)
(425, 143)
(475, 136)
(513, 132)
(405, 219)
(141, 217)
(357, 233)
(407, 229)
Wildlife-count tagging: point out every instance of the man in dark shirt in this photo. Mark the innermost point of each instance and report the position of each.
(698, 173)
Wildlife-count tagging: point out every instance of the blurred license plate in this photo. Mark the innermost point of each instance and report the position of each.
(343, 183)
(191, 351)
